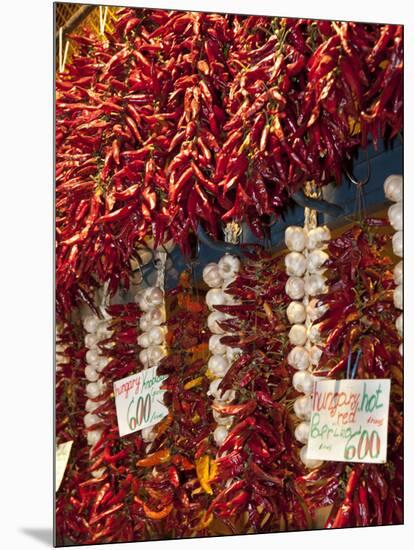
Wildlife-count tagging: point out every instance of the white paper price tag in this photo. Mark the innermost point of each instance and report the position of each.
(349, 421)
(139, 401)
(61, 461)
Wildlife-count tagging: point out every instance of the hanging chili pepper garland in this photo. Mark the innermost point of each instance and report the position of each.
(176, 119)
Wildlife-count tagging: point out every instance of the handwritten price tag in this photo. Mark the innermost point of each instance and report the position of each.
(139, 401)
(61, 461)
(349, 421)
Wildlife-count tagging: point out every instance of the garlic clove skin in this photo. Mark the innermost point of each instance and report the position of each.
(101, 364)
(298, 335)
(315, 284)
(298, 358)
(156, 336)
(218, 365)
(92, 390)
(91, 406)
(303, 381)
(314, 312)
(211, 275)
(102, 333)
(393, 188)
(314, 334)
(91, 340)
(228, 266)
(215, 297)
(296, 312)
(302, 432)
(155, 354)
(397, 244)
(157, 316)
(212, 321)
(398, 297)
(309, 462)
(296, 238)
(302, 407)
(92, 356)
(219, 435)
(295, 264)
(145, 323)
(395, 216)
(295, 288)
(144, 357)
(399, 324)
(215, 346)
(398, 273)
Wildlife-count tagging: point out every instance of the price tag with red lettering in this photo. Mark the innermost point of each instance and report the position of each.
(349, 421)
(139, 401)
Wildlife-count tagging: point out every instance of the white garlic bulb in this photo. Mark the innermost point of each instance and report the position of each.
(393, 188)
(91, 406)
(228, 266)
(102, 363)
(211, 275)
(398, 297)
(92, 356)
(212, 321)
(297, 335)
(215, 297)
(225, 396)
(397, 243)
(233, 353)
(145, 322)
(156, 316)
(148, 434)
(398, 273)
(314, 311)
(295, 238)
(91, 323)
(316, 259)
(400, 349)
(103, 332)
(215, 346)
(92, 390)
(157, 335)
(309, 462)
(296, 312)
(315, 354)
(298, 358)
(302, 407)
(144, 357)
(295, 263)
(222, 420)
(91, 340)
(303, 381)
(315, 284)
(302, 432)
(91, 374)
(218, 365)
(143, 340)
(91, 419)
(93, 437)
(220, 434)
(318, 236)
(314, 334)
(295, 288)
(155, 354)
(151, 298)
(399, 323)
(395, 215)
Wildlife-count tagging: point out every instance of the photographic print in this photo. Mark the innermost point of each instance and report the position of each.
(228, 274)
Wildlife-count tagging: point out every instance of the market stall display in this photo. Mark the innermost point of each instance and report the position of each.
(175, 128)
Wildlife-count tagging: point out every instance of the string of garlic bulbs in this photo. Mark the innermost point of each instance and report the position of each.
(393, 189)
(304, 265)
(96, 330)
(152, 323)
(217, 277)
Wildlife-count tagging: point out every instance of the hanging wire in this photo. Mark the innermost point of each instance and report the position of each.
(360, 206)
(103, 12)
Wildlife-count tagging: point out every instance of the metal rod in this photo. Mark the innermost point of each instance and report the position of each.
(319, 205)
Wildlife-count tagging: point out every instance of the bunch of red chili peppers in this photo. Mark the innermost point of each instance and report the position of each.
(182, 118)
(360, 313)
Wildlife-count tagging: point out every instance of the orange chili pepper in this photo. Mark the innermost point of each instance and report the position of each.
(152, 514)
(153, 459)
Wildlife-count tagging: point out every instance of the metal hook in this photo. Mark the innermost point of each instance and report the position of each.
(363, 181)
